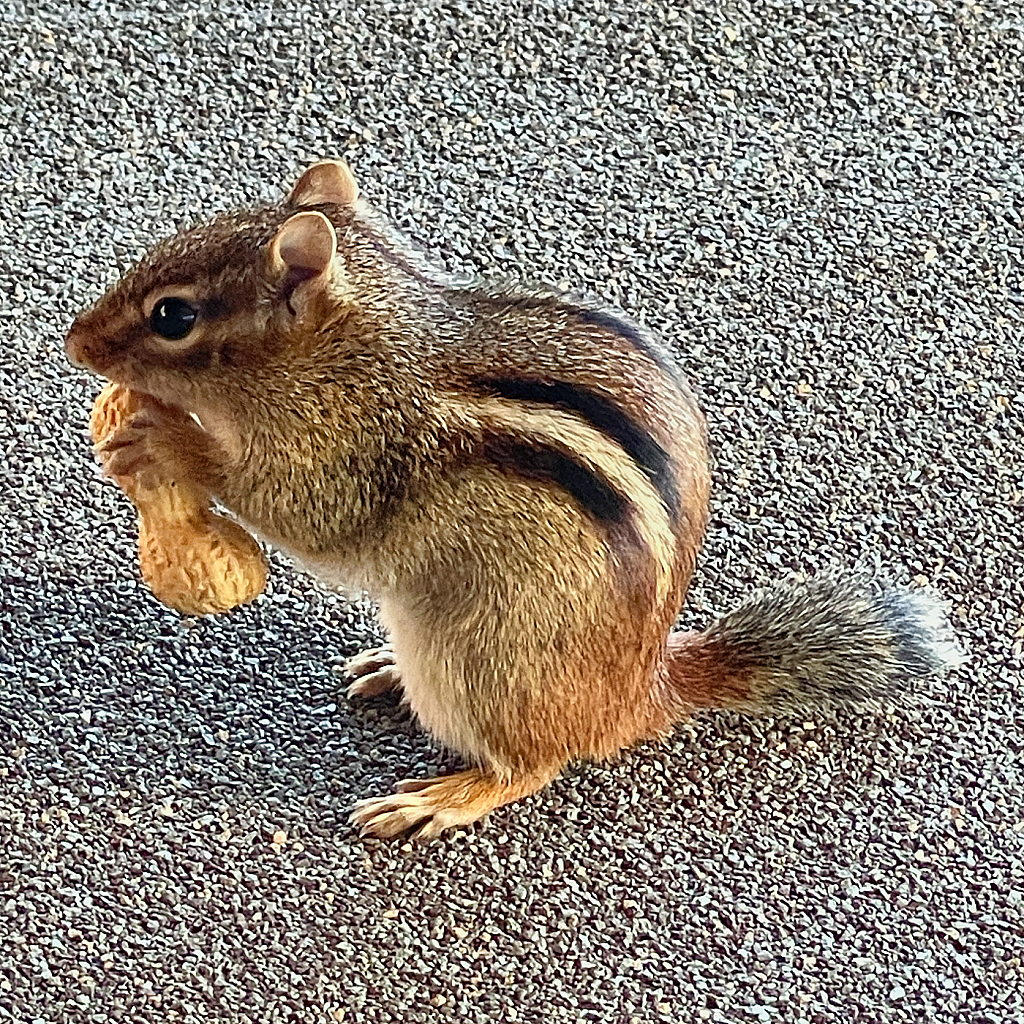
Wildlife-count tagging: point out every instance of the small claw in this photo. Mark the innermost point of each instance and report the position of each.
(372, 673)
(128, 461)
(118, 440)
(130, 432)
(414, 785)
(370, 661)
(388, 816)
(124, 463)
(375, 683)
(430, 829)
(127, 451)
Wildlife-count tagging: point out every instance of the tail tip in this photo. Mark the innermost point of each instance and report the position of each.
(920, 620)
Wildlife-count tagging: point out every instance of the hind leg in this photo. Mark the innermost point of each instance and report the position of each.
(431, 805)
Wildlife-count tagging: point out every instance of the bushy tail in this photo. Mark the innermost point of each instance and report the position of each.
(829, 642)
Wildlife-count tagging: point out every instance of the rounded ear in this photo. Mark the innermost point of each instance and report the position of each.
(304, 246)
(329, 181)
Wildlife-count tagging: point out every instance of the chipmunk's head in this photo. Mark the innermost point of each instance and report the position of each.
(223, 298)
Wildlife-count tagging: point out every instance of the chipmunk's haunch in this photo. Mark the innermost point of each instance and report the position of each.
(520, 479)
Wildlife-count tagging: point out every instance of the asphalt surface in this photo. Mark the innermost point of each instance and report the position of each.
(820, 206)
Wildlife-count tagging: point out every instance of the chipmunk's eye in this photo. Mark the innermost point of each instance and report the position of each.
(173, 318)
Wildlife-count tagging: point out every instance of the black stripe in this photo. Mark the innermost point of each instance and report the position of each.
(603, 415)
(638, 338)
(537, 461)
(610, 320)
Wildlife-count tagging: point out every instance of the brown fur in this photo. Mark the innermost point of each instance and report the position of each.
(703, 675)
(526, 562)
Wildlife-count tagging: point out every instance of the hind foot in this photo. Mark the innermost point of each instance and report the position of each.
(425, 807)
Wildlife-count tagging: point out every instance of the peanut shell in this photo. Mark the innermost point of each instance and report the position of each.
(192, 559)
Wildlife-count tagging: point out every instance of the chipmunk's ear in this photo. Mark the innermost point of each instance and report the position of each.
(329, 181)
(301, 256)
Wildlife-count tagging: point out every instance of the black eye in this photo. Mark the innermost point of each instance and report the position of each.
(173, 318)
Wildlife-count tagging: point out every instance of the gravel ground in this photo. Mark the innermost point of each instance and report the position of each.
(820, 206)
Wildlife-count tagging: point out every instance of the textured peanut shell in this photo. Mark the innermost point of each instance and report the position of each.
(192, 559)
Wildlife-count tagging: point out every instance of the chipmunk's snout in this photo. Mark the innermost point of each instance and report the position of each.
(85, 347)
(76, 347)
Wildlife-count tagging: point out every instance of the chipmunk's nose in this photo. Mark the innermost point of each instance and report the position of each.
(76, 346)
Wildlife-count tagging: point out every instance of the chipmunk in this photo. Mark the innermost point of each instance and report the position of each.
(520, 479)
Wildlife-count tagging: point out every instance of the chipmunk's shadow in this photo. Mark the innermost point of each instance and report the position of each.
(251, 707)
(240, 708)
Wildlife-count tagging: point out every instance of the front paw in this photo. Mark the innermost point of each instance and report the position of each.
(133, 450)
(151, 449)
(373, 672)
